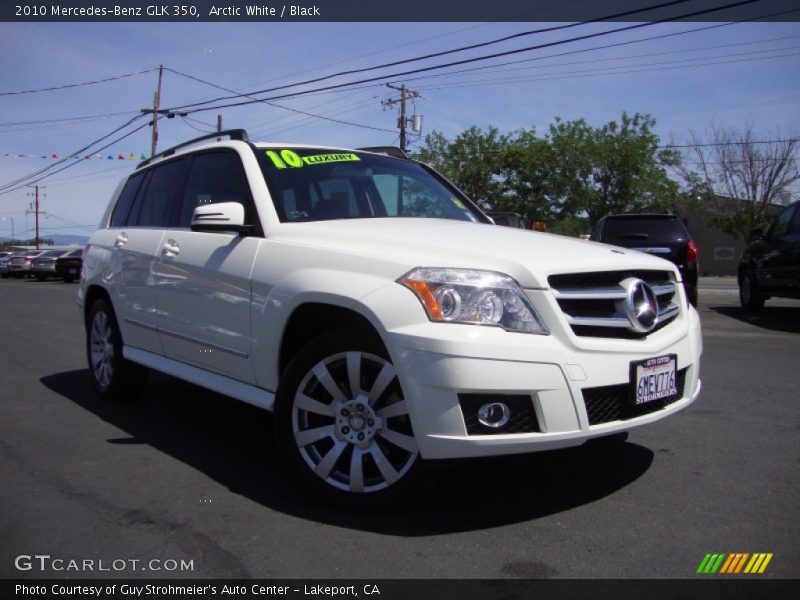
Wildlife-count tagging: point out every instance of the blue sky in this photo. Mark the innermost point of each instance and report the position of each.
(734, 74)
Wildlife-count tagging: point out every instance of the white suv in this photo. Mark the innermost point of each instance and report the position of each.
(377, 311)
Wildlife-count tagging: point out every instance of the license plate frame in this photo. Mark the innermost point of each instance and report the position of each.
(662, 379)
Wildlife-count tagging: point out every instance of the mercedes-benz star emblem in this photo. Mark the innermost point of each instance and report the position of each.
(641, 306)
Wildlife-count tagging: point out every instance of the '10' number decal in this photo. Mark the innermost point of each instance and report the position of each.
(286, 157)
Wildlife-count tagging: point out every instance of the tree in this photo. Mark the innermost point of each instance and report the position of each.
(571, 177)
(736, 178)
(525, 168)
(615, 167)
(471, 161)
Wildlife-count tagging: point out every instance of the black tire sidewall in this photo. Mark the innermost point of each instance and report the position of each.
(753, 301)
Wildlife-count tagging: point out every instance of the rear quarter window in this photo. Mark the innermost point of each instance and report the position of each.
(125, 201)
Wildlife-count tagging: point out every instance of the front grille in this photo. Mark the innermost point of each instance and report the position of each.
(522, 416)
(593, 302)
(613, 403)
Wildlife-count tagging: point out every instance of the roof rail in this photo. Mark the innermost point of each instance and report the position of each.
(389, 150)
(234, 134)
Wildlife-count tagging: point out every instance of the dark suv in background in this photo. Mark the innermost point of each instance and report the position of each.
(770, 265)
(661, 234)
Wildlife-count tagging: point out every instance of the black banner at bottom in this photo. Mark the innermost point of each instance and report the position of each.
(400, 589)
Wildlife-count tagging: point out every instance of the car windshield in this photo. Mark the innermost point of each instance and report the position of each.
(626, 231)
(311, 184)
(51, 253)
(73, 253)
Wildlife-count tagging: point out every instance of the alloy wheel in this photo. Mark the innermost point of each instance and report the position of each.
(101, 348)
(351, 425)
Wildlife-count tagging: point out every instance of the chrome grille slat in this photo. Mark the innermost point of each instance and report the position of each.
(593, 303)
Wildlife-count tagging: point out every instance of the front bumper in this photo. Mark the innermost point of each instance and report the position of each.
(437, 362)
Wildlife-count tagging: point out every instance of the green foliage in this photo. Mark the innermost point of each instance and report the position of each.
(570, 177)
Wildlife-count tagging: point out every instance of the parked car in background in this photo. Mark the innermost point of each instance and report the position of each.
(68, 266)
(508, 219)
(19, 265)
(44, 266)
(4, 257)
(661, 234)
(770, 265)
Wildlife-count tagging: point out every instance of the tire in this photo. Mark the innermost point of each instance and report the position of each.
(353, 447)
(19, 275)
(68, 279)
(749, 297)
(113, 376)
(41, 277)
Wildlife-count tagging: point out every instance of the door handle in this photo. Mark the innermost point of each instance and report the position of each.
(121, 240)
(171, 248)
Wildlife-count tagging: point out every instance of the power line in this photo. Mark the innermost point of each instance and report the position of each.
(613, 58)
(305, 122)
(471, 47)
(621, 70)
(569, 53)
(59, 120)
(294, 110)
(77, 152)
(747, 143)
(4, 189)
(74, 85)
(394, 76)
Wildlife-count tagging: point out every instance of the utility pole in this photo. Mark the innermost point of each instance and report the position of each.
(35, 211)
(402, 122)
(219, 123)
(157, 110)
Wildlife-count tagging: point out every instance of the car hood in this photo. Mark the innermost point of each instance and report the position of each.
(527, 256)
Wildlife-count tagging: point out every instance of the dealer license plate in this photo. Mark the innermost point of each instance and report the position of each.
(654, 379)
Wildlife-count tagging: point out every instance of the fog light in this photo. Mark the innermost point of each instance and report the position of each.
(494, 415)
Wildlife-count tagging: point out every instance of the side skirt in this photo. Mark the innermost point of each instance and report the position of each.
(212, 381)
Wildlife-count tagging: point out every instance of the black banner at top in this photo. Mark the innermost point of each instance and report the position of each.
(397, 10)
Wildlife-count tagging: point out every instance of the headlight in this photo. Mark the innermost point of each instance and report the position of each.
(473, 297)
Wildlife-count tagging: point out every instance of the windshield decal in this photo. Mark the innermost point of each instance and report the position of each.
(290, 158)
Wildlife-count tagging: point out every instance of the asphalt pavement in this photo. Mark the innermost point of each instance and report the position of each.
(187, 475)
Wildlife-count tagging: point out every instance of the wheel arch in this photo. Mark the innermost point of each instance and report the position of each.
(93, 294)
(312, 319)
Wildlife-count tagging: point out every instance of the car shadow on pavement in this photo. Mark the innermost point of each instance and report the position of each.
(775, 318)
(232, 443)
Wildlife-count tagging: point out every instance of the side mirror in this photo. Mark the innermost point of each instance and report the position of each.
(220, 217)
(756, 234)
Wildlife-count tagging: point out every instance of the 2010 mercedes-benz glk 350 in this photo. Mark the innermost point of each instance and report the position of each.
(377, 311)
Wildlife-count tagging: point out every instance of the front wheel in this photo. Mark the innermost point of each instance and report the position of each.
(113, 376)
(343, 425)
(749, 297)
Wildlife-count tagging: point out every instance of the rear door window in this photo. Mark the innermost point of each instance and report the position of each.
(125, 201)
